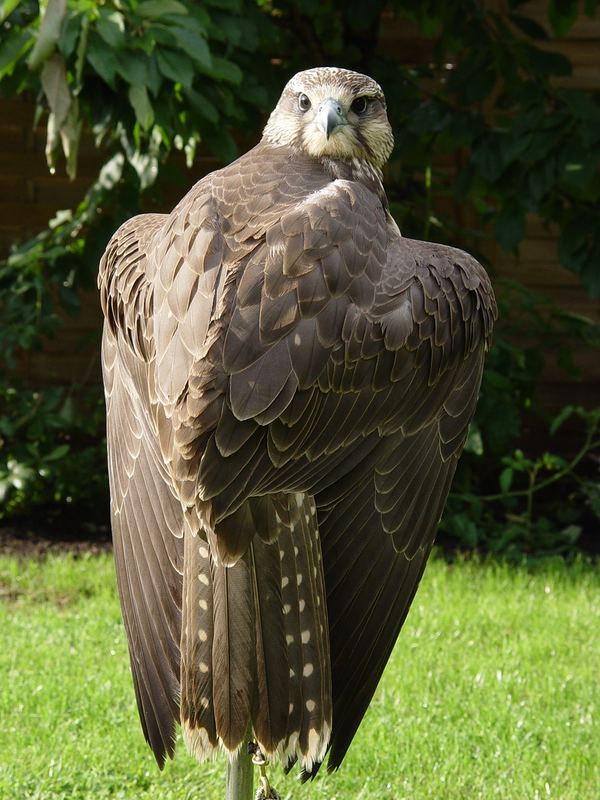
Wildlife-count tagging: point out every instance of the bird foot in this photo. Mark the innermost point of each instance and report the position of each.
(258, 757)
(265, 791)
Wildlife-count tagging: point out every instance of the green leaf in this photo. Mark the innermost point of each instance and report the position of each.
(529, 27)
(159, 34)
(70, 133)
(146, 166)
(255, 94)
(548, 63)
(222, 144)
(572, 244)
(71, 32)
(571, 533)
(111, 27)
(479, 85)
(7, 7)
(464, 182)
(202, 105)
(49, 33)
(191, 23)
(582, 105)
(102, 59)
(144, 113)
(199, 18)
(58, 452)
(427, 118)
(155, 9)
(12, 50)
(226, 5)
(469, 533)
(560, 418)
(194, 45)
(487, 158)
(56, 88)
(464, 127)
(132, 67)
(176, 66)
(225, 70)
(474, 443)
(514, 144)
(154, 77)
(497, 379)
(51, 142)
(112, 172)
(229, 30)
(80, 54)
(541, 182)
(562, 14)
(509, 227)
(506, 479)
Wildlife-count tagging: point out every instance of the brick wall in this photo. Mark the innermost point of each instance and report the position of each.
(30, 196)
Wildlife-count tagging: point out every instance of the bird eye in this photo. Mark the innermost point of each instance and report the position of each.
(303, 102)
(360, 105)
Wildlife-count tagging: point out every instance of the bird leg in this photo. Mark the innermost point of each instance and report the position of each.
(265, 791)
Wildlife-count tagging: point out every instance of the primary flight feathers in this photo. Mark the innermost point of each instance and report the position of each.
(289, 385)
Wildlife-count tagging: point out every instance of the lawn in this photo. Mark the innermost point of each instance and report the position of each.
(492, 692)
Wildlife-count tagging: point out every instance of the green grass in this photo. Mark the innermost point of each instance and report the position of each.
(491, 693)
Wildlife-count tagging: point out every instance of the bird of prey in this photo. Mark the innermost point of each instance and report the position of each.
(289, 386)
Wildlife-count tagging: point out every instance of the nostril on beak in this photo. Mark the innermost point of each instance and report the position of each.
(337, 107)
(330, 114)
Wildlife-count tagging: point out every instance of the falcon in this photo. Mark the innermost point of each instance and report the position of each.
(289, 385)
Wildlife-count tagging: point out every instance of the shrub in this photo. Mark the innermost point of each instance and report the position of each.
(148, 78)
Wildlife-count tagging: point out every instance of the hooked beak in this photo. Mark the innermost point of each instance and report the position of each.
(329, 115)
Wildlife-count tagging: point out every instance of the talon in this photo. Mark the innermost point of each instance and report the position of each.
(254, 750)
(258, 757)
(264, 791)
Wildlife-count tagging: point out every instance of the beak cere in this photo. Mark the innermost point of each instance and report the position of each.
(329, 115)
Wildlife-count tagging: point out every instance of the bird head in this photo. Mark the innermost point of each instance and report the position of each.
(329, 112)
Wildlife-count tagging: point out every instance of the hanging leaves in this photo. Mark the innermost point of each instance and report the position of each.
(63, 125)
(154, 9)
(56, 88)
(138, 97)
(49, 33)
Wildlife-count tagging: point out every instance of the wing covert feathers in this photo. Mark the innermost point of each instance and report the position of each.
(289, 386)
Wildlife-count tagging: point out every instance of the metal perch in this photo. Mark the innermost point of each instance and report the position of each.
(240, 775)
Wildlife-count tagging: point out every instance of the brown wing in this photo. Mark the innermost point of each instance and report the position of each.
(165, 283)
(214, 236)
(372, 577)
(338, 333)
(334, 358)
(147, 520)
(355, 360)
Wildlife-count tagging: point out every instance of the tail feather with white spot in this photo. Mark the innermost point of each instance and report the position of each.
(255, 643)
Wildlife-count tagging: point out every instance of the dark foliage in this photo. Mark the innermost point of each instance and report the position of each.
(148, 78)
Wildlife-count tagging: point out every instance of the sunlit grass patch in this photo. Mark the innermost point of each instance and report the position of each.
(492, 692)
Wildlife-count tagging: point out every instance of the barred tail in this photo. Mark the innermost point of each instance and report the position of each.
(255, 643)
